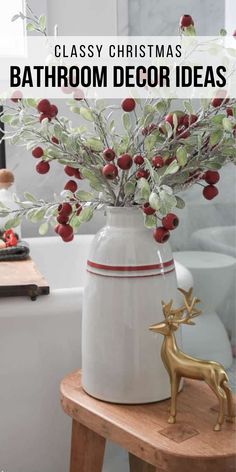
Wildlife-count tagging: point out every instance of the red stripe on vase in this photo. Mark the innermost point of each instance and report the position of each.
(130, 268)
(131, 276)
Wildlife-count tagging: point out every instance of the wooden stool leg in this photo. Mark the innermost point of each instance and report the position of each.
(87, 449)
(137, 465)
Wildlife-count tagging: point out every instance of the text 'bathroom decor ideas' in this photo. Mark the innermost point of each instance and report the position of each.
(136, 176)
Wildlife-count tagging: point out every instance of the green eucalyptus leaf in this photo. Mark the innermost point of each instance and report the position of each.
(129, 188)
(30, 27)
(150, 221)
(175, 122)
(75, 109)
(30, 102)
(12, 223)
(182, 156)
(42, 22)
(227, 124)
(215, 137)
(160, 106)
(95, 144)
(29, 197)
(37, 215)
(172, 168)
(143, 188)
(86, 114)
(126, 121)
(84, 196)
(213, 165)
(188, 106)
(86, 215)
(180, 203)
(43, 229)
(7, 118)
(154, 201)
(169, 129)
(217, 119)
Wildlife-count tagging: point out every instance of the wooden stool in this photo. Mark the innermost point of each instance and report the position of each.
(190, 445)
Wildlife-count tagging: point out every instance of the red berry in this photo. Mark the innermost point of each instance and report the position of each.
(54, 140)
(79, 209)
(188, 120)
(128, 104)
(161, 235)
(125, 161)
(210, 192)
(157, 162)
(142, 173)
(234, 34)
(77, 174)
(212, 176)
(169, 119)
(43, 117)
(138, 160)
(149, 129)
(42, 167)
(37, 152)
(65, 231)
(169, 160)
(147, 209)
(53, 111)
(16, 96)
(78, 94)
(170, 221)
(62, 219)
(56, 228)
(182, 132)
(186, 21)
(110, 171)
(69, 171)
(65, 208)
(229, 111)
(109, 154)
(71, 185)
(44, 106)
(68, 239)
(216, 102)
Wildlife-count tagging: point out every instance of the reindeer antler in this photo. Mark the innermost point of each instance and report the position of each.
(189, 305)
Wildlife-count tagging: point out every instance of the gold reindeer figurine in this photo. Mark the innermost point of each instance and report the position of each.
(179, 364)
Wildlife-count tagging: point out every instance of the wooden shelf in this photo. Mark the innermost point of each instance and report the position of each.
(22, 278)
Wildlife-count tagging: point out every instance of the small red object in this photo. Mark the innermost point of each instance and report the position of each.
(128, 104)
(10, 238)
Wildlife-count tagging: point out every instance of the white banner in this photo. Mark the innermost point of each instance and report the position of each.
(116, 67)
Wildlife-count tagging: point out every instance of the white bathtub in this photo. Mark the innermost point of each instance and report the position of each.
(39, 344)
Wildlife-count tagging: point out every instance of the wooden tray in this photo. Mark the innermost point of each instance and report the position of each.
(21, 278)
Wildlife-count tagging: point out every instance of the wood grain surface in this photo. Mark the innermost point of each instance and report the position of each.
(190, 445)
(19, 277)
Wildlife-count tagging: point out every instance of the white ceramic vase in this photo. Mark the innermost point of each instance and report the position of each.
(128, 276)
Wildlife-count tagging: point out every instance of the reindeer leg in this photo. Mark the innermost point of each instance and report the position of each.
(220, 393)
(228, 392)
(174, 380)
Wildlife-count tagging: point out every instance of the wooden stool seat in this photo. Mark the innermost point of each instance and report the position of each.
(190, 445)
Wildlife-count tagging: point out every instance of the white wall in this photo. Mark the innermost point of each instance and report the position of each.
(87, 17)
(230, 16)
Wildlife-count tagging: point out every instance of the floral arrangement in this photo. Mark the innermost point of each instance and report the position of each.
(160, 152)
